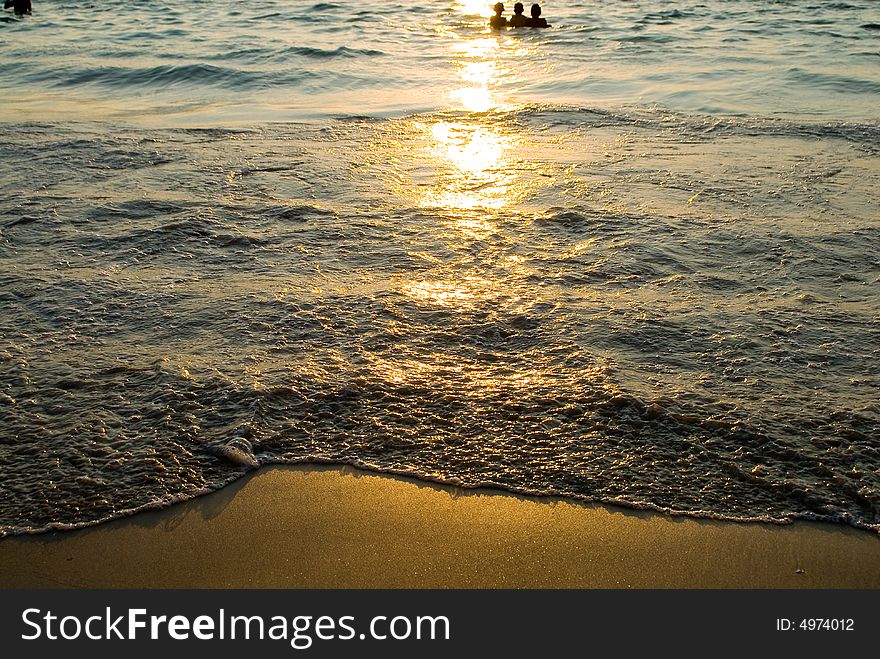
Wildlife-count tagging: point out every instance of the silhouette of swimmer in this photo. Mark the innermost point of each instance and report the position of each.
(498, 21)
(18, 6)
(517, 20)
(536, 20)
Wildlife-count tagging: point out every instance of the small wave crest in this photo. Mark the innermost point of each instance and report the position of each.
(171, 76)
(285, 55)
(698, 126)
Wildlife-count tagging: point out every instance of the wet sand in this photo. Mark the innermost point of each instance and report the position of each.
(326, 527)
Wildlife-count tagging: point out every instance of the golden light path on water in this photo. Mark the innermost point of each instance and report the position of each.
(471, 165)
(469, 149)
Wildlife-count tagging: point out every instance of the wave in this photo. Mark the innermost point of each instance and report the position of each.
(279, 55)
(341, 51)
(665, 17)
(650, 39)
(573, 433)
(184, 77)
(313, 326)
(835, 82)
(241, 471)
(691, 126)
(156, 76)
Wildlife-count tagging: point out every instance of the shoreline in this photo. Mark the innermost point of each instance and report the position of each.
(309, 526)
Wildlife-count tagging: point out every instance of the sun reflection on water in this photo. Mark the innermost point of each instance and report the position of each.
(479, 70)
(471, 157)
(474, 7)
(473, 169)
(473, 149)
(438, 292)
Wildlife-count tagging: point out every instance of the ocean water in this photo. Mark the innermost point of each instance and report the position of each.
(634, 258)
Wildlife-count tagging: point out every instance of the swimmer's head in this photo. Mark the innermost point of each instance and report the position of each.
(518, 8)
(536, 10)
(498, 8)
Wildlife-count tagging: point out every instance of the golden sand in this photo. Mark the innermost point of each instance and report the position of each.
(288, 527)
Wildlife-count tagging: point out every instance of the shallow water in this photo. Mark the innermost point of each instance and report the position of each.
(382, 239)
(279, 60)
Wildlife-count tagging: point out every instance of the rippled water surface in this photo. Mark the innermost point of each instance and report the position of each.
(198, 60)
(634, 258)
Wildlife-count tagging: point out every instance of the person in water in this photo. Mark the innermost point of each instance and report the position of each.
(536, 20)
(18, 6)
(498, 21)
(517, 20)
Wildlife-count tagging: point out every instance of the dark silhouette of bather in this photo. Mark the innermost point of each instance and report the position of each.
(18, 6)
(517, 20)
(536, 20)
(498, 21)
